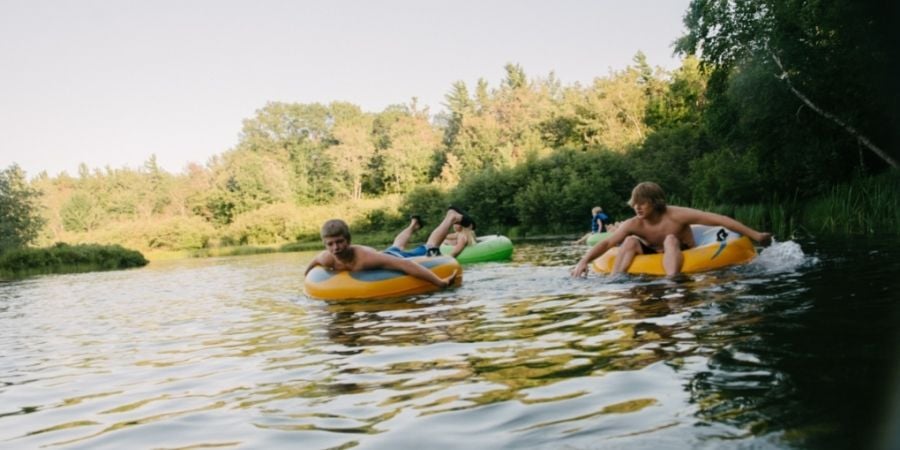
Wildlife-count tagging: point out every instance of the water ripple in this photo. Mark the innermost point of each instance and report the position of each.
(228, 353)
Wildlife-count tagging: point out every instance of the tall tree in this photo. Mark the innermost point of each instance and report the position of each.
(353, 147)
(835, 58)
(408, 146)
(612, 113)
(20, 220)
(295, 135)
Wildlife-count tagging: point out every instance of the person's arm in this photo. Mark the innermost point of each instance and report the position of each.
(319, 260)
(594, 252)
(713, 219)
(460, 245)
(410, 268)
(584, 238)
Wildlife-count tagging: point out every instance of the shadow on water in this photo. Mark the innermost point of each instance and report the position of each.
(818, 349)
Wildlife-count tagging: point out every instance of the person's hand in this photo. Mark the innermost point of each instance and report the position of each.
(580, 270)
(450, 279)
(765, 238)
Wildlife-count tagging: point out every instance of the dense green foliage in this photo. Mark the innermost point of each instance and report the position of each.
(788, 100)
(805, 89)
(63, 258)
(20, 220)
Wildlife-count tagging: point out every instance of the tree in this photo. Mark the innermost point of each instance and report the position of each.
(246, 181)
(79, 213)
(20, 221)
(411, 143)
(834, 58)
(612, 112)
(353, 148)
(460, 106)
(296, 135)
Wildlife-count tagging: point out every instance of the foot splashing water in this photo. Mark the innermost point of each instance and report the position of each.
(783, 257)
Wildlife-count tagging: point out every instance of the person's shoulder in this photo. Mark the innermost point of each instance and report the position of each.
(630, 223)
(325, 259)
(364, 251)
(678, 211)
(366, 258)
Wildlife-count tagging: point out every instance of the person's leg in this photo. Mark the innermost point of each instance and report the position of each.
(627, 251)
(443, 229)
(403, 237)
(673, 258)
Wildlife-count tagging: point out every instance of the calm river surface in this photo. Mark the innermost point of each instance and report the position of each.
(798, 349)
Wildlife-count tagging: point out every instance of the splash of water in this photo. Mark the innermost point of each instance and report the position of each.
(783, 257)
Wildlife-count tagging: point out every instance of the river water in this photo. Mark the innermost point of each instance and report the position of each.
(798, 349)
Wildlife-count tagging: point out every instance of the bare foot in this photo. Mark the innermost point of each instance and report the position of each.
(416, 223)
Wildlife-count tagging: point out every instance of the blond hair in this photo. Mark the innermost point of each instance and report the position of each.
(649, 192)
(335, 227)
(596, 210)
(470, 235)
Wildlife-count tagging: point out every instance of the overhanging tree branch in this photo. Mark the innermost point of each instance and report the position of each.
(847, 127)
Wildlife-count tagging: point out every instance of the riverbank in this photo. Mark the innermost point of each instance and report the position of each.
(867, 206)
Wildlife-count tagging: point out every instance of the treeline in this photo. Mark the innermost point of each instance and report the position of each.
(295, 162)
(789, 101)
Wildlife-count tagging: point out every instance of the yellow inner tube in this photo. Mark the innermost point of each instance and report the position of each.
(327, 284)
(709, 254)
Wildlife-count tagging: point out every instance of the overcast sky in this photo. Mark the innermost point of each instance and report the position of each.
(110, 82)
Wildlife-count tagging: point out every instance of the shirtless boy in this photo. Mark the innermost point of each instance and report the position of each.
(657, 227)
(340, 254)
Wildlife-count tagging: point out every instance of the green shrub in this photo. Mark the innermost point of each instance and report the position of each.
(553, 194)
(267, 225)
(65, 258)
(428, 201)
(178, 233)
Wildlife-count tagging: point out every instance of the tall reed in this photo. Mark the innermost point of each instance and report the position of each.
(867, 205)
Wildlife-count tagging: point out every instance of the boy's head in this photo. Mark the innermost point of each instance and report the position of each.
(648, 192)
(596, 210)
(336, 227)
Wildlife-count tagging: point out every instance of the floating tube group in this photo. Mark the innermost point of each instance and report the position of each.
(717, 247)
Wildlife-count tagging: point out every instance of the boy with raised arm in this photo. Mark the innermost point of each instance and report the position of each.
(340, 254)
(657, 227)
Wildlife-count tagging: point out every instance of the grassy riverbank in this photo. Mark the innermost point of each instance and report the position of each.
(866, 206)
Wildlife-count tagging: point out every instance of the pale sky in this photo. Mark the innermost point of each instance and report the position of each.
(110, 82)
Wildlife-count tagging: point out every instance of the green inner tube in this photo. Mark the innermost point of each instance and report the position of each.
(595, 238)
(488, 248)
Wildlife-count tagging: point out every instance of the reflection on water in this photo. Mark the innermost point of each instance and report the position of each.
(792, 351)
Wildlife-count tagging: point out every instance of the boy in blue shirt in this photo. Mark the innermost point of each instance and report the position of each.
(599, 219)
